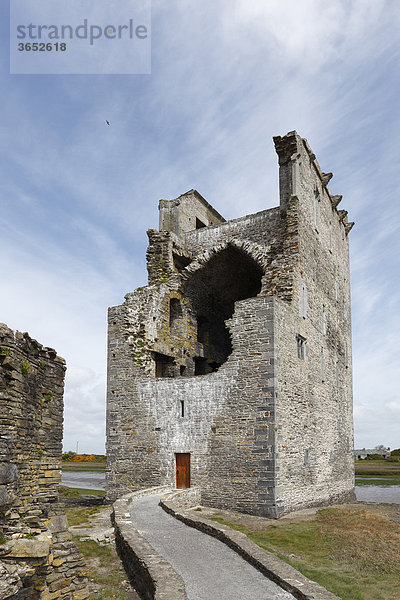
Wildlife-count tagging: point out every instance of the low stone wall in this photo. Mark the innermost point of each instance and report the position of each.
(271, 566)
(38, 560)
(149, 573)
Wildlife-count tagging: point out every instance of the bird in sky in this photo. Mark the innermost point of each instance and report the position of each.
(108, 122)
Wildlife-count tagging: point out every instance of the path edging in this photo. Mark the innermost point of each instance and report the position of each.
(149, 573)
(287, 577)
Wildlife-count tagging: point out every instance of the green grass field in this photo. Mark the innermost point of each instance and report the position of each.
(377, 472)
(67, 492)
(84, 466)
(351, 552)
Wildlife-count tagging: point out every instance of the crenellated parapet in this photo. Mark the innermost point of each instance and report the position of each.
(231, 370)
(296, 159)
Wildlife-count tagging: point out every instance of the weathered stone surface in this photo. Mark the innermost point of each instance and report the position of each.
(38, 547)
(32, 521)
(238, 352)
(8, 473)
(58, 523)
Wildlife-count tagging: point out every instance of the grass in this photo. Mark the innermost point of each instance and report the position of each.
(377, 467)
(104, 566)
(377, 472)
(377, 479)
(84, 466)
(105, 569)
(67, 492)
(352, 552)
(78, 516)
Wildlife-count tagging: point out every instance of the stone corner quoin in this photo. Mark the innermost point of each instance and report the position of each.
(231, 370)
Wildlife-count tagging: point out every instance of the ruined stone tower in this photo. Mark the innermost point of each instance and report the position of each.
(231, 370)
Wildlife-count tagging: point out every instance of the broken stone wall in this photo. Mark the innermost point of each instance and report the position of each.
(220, 355)
(38, 559)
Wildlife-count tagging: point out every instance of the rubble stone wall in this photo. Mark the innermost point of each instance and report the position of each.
(38, 559)
(238, 352)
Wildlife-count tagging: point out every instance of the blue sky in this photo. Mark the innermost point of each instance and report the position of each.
(77, 196)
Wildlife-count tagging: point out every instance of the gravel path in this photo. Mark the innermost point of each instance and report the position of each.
(210, 570)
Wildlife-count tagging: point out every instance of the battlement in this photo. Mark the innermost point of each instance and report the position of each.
(237, 348)
(300, 172)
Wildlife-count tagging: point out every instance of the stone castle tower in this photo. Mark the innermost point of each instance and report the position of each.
(231, 370)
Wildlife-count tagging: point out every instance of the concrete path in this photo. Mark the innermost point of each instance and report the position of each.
(210, 570)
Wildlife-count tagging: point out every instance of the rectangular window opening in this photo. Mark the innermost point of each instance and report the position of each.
(175, 313)
(202, 329)
(301, 347)
(164, 365)
(201, 366)
(182, 408)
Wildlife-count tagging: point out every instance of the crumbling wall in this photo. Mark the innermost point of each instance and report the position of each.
(219, 357)
(38, 559)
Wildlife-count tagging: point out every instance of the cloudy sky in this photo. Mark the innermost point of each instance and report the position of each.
(77, 195)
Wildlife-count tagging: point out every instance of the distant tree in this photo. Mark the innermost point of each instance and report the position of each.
(396, 452)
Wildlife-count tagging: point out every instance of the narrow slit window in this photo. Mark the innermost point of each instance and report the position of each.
(182, 408)
(322, 365)
(301, 347)
(303, 300)
(316, 209)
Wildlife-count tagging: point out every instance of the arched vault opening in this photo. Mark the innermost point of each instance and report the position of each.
(212, 291)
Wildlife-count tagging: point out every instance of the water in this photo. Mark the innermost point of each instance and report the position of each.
(389, 494)
(95, 480)
(87, 480)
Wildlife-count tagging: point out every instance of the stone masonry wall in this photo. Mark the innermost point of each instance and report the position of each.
(228, 426)
(38, 559)
(238, 352)
(314, 394)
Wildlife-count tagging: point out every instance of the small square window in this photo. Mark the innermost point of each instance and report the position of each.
(301, 347)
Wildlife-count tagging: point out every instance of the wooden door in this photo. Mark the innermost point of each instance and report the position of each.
(182, 470)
